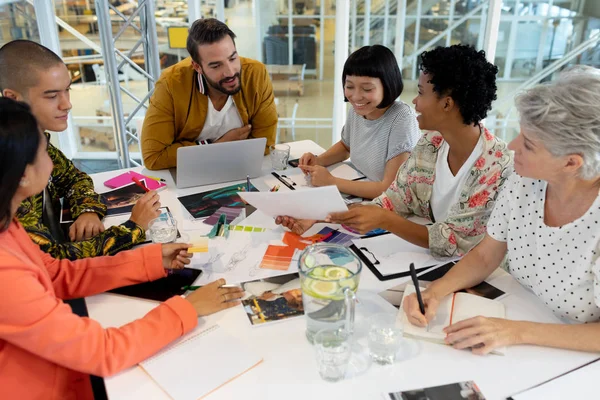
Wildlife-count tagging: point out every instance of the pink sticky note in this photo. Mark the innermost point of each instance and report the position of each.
(126, 179)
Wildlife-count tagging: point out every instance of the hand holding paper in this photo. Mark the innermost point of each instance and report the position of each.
(361, 218)
(312, 203)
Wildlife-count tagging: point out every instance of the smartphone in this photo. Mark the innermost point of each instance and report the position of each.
(294, 163)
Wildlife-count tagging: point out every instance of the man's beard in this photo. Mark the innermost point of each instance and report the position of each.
(219, 86)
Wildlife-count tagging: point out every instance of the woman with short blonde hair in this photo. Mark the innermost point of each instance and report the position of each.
(547, 222)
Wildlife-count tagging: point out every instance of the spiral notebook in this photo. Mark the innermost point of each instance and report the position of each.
(186, 369)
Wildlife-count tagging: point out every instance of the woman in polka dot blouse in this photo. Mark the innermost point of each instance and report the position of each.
(545, 220)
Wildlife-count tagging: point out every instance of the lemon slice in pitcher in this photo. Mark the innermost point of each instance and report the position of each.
(324, 289)
(336, 273)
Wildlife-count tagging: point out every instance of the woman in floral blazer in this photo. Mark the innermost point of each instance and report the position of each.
(456, 88)
(465, 224)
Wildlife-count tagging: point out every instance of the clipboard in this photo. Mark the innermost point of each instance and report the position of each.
(376, 272)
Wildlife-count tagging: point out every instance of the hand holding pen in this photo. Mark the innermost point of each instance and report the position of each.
(420, 307)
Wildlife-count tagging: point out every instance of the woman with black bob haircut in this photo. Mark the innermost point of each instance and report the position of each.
(454, 174)
(380, 132)
(33, 285)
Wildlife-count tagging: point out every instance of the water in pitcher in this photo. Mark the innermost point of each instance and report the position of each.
(329, 278)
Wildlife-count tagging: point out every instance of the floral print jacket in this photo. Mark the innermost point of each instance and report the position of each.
(466, 223)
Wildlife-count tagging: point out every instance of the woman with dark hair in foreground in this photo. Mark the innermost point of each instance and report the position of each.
(46, 351)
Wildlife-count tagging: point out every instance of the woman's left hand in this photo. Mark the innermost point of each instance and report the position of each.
(483, 334)
(319, 176)
(175, 255)
(361, 218)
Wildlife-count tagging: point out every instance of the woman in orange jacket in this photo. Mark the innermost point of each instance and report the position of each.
(46, 351)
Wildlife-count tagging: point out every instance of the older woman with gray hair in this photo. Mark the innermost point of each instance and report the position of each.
(545, 221)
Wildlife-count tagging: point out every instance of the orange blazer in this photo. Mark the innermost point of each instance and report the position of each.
(46, 351)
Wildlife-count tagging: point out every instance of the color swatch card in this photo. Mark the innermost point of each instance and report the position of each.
(199, 245)
(246, 228)
(278, 257)
(336, 237)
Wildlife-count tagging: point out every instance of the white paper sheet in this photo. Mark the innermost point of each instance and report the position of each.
(300, 181)
(176, 368)
(313, 203)
(394, 253)
(581, 383)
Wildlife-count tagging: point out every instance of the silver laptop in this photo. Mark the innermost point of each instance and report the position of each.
(219, 162)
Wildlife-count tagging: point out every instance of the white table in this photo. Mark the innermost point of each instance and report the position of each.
(289, 367)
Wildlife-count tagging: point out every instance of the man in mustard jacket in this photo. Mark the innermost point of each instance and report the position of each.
(213, 96)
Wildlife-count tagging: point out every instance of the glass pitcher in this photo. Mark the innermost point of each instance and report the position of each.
(329, 276)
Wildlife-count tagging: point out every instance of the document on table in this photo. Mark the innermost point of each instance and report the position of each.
(237, 258)
(199, 363)
(580, 383)
(342, 170)
(391, 254)
(312, 203)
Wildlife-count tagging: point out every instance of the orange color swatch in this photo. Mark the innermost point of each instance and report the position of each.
(278, 257)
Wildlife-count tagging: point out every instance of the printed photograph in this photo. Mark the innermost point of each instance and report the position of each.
(273, 299)
(122, 200)
(202, 205)
(118, 201)
(454, 391)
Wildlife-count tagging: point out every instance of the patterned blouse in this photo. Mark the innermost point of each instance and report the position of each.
(466, 223)
(77, 188)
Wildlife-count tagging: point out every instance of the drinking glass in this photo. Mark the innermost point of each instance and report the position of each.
(385, 338)
(280, 154)
(333, 348)
(164, 228)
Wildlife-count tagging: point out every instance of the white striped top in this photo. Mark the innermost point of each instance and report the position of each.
(373, 143)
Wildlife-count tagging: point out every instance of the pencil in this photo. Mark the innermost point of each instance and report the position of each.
(157, 179)
(190, 287)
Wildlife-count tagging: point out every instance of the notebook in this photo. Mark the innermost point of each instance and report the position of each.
(186, 369)
(452, 309)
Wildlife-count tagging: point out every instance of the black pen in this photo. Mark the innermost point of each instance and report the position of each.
(291, 180)
(276, 175)
(413, 275)
(247, 183)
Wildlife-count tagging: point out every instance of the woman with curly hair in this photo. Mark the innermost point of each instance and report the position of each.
(545, 223)
(453, 176)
